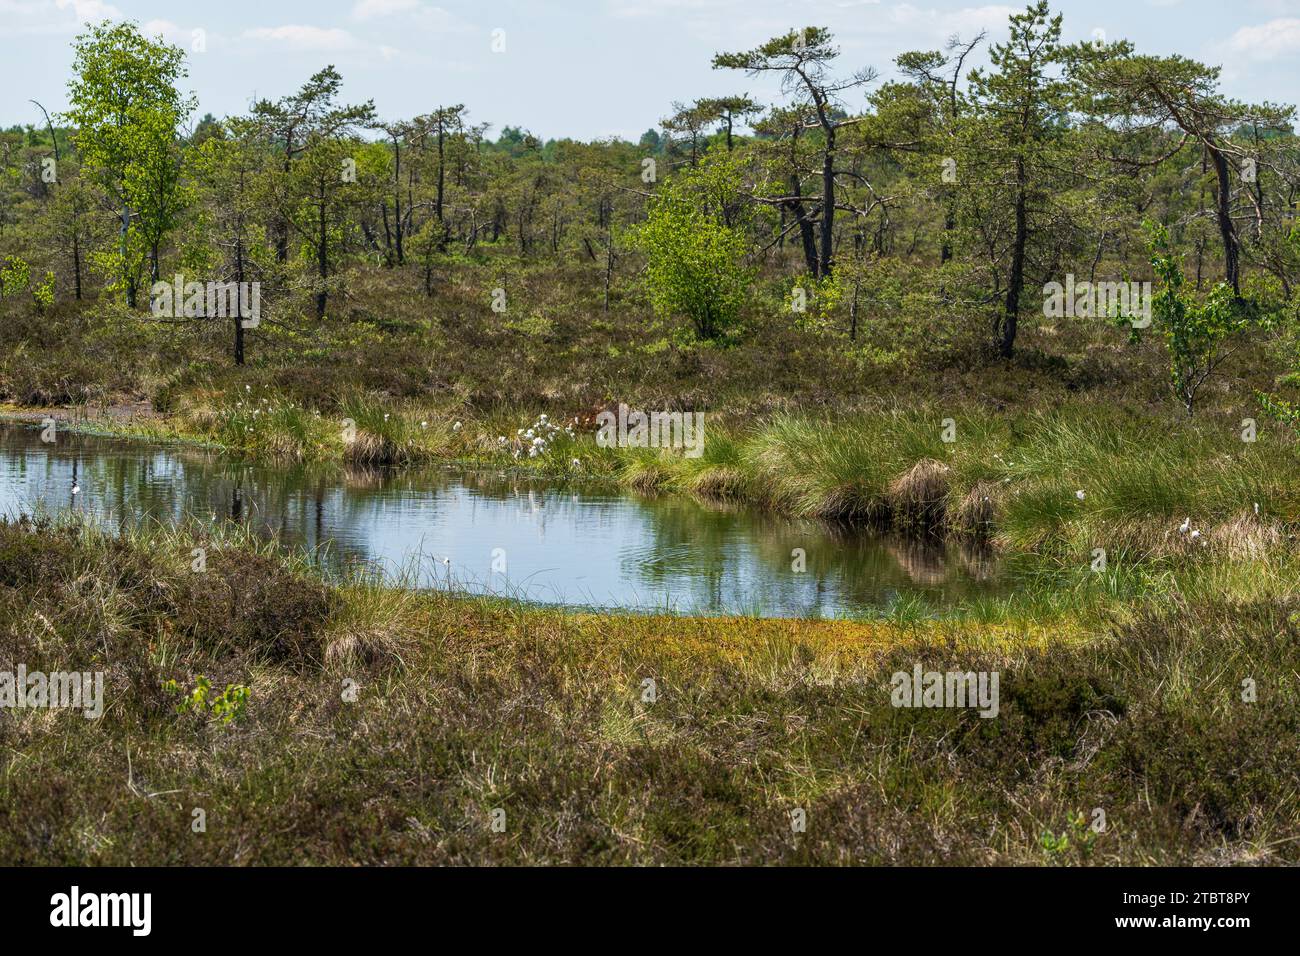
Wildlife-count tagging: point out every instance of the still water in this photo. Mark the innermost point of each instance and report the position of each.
(574, 544)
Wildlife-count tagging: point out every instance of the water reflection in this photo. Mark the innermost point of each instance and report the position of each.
(559, 544)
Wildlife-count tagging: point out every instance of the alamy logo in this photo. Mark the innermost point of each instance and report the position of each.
(636, 429)
(946, 689)
(1087, 300)
(103, 909)
(59, 689)
(207, 300)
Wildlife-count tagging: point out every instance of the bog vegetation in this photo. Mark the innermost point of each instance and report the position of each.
(912, 224)
(852, 283)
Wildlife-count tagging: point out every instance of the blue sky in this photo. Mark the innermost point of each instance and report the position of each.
(589, 68)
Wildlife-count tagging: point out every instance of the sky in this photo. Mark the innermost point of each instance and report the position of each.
(588, 69)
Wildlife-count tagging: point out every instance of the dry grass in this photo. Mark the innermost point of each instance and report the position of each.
(1247, 537)
(976, 511)
(916, 498)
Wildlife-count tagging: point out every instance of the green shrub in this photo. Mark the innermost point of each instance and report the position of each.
(695, 260)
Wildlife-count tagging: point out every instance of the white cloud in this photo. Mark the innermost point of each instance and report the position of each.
(1269, 41)
(169, 31)
(20, 16)
(330, 41)
(630, 9)
(413, 13)
(856, 24)
(372, 9)
(302, 38)
(90, 11)
(26, 17)
(936, 23)
(442, 21)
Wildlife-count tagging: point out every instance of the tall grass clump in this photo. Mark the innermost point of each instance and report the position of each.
(270, 426)
(824, 469)
(377, 433)
(719, 472)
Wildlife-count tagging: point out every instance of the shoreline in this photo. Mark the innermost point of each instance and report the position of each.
(805, 470)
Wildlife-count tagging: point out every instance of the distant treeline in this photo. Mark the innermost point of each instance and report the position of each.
(971, 187)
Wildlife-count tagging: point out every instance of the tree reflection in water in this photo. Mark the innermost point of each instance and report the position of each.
(578, 544)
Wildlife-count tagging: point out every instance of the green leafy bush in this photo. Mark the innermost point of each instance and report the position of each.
(1200, 336)
(695, 261)
(225, 707)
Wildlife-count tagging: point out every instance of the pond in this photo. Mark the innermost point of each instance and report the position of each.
(490, 532)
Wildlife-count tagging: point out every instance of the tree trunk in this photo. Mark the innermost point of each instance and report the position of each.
(438, 203)
(805, 228)
(1016, 281)
(410, 201)
(130, 279)
(239, 313)
(282, 226)
(388, 237)
(609, 264)
(1223, 210)
(322, 261)
(828, 203)
(949, 224)
(397, 205)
